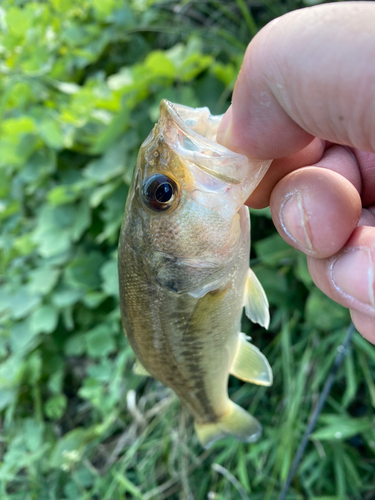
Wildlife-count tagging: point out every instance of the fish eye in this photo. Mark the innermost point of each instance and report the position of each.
(160, 192)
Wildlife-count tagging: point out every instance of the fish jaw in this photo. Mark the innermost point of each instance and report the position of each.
(192, 134)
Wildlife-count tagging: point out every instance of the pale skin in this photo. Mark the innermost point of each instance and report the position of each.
(306, 97)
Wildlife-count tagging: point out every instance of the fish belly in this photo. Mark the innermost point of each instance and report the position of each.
(187, 343)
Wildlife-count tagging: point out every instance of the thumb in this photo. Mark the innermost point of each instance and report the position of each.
(307, 74)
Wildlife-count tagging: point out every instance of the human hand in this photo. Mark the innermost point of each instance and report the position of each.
(306, 96)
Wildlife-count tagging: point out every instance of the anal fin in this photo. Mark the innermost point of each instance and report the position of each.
(139, 369)
(255, 301)
(250, 365)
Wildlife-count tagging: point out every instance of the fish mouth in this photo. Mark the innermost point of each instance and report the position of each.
(196, 137)
(191, 132)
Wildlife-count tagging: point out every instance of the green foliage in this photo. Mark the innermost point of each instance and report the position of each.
(80, 88)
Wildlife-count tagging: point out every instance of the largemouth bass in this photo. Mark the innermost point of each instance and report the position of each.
(184, 270)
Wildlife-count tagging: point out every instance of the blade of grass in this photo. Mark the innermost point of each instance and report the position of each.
(368, 377)
(251, 24)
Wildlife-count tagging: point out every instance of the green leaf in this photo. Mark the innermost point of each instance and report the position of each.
(93, 299)
(225, 72)
(18, 126)
(18, 21)
(82, 220)
(102, 193)
(40, 165)
(22, 303)
(83, 272)
(55, 382)
(159, 64)
(109, 273)
(61, 195)
(302, 271)
(70, 448)
(112, 164)
(44, 319)
(43, 279)
(75, 345)
(52, 233)
(111, 133)
(51, 134)
(84, 477)
(274, 250)
(32, 433)
(323, 313)
(33, 368)
(99, 342)
(343, 428)
(22, 337)
(66, 296)
(55, 406)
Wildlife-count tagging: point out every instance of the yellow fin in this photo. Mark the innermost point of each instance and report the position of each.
(139, 369)
(237, 423)
(250, 365)
(255, 301)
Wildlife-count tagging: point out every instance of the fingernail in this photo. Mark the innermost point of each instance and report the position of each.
(223, 132)
(353, 275)
(295, 221)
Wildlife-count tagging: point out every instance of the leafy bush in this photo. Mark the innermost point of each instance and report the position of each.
(80, 88)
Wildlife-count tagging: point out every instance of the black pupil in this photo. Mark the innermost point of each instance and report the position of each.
(164, 193)
(160, 192)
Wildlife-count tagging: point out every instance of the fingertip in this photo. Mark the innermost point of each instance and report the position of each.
(315, 210)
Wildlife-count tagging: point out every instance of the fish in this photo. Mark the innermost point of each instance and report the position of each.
(184, 275)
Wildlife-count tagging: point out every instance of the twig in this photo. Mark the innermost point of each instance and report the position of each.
(342, 349)
(221, 470)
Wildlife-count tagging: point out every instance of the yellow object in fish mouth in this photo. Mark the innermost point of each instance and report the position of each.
(184, 270)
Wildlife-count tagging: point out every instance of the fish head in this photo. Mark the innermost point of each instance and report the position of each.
(183, 210)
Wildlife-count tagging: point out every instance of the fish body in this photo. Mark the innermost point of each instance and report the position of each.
(184, 270)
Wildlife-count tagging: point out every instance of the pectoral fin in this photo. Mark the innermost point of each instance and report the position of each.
(139, 369)
(255, 301)
(250, 365)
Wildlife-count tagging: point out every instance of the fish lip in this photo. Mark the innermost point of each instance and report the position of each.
(181, 124)
(168, 110)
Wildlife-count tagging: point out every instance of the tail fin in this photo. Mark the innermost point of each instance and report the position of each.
(237, 423)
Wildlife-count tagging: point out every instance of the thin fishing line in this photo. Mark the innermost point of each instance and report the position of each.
(341, 352)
